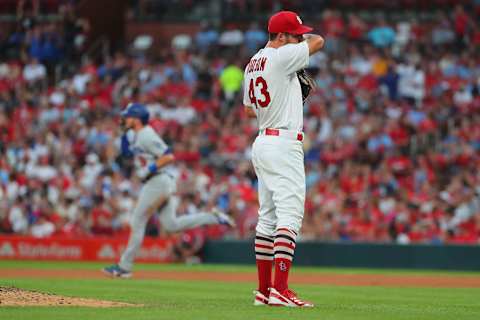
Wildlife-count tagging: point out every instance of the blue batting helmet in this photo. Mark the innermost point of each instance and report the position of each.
(136, 110)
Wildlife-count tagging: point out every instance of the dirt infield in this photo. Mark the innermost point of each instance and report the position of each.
(11, 296)
(440, 281)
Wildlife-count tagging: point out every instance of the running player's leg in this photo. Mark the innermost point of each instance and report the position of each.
(173, 223)
(148, 201)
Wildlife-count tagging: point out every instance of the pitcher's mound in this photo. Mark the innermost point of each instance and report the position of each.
(11, 296)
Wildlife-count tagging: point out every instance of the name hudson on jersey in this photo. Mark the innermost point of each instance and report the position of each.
(256, 64)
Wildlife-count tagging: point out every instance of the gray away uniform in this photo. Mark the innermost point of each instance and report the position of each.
(146, 147)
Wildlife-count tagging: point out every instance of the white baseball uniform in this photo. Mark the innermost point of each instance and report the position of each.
(272, 89)
(147, 146)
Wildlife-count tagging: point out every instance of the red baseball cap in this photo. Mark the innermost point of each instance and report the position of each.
(288, 22)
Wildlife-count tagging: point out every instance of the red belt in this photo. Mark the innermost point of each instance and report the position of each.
(276, 132)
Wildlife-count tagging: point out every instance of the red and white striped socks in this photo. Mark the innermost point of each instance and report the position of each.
(264, 258)
(278, 250)
(284, 249)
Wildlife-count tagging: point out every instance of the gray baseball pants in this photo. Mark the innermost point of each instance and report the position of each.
(152, 193)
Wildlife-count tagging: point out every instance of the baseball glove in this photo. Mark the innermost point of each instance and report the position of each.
(306, 82)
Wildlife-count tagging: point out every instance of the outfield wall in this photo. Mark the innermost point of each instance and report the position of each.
(448, 257)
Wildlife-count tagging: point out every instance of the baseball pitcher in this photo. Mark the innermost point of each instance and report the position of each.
(153, 160)
(275, 87)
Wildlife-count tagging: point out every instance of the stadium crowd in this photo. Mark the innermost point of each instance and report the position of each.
(393, 130)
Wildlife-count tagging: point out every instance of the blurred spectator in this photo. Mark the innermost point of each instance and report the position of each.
(17, 218)
(333, 29)
(101, 217)
(34, 72)
(443, 33)
(392, 130)
(231, 81)
(356, 28)
(255, 38)
(232, 37)
(206, 38)
(382, 35)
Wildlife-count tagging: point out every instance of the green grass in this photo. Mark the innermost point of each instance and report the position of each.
(61, 265)
(217, 300)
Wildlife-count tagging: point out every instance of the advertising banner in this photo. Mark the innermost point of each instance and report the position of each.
(82, 249)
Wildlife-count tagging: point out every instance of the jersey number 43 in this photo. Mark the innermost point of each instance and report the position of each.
(261, 84)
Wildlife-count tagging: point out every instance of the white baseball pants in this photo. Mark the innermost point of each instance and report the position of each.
(279, 164)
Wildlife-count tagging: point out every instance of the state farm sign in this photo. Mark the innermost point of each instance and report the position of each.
(92, 249)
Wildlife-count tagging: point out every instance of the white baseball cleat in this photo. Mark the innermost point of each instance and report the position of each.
(287, 298)
(260, 299)
(224, 218)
